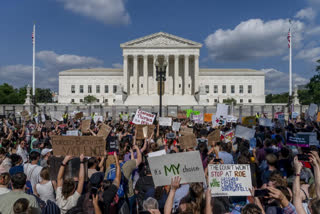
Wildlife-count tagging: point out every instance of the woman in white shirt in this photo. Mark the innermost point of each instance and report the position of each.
(46, 188)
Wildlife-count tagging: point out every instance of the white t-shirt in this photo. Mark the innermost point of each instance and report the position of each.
(66, 204)
(33, 173)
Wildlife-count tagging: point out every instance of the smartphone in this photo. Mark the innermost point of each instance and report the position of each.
(303, 157)
(261, 193)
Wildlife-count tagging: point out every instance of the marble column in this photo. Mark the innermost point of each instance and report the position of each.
(196, 73)
(135, 74)
(176, 74)
(145, 74)
(186, 74)
(125, 73)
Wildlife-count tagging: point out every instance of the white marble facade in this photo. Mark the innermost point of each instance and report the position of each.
(136, 84)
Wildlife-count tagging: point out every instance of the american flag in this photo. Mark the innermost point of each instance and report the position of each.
(289, 38)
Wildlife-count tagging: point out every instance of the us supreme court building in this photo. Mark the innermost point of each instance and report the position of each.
(186, 83)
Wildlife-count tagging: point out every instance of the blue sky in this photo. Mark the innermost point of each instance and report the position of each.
(88, 33)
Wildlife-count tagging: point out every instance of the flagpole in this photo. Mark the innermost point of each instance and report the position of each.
(34, 61)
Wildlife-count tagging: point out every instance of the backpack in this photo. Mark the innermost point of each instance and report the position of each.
(112, 175)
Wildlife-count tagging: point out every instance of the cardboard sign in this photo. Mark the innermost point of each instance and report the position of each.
(143, 117)
(176, 126)
(244, 132)
(90, 146)
(222, 110)
(165, 121)
(229, 179)
(207, 117)
(188, 141)
(265, 122)
(249, 121)
(300, 139)
(97, 118)
(157, 153)
(198, 118)
(182, 115)
(186, 165)
(24, 113)
(104, 131)
(78, 116)
(214, 136)
(140, 134)
(85, 126)
(72, 133)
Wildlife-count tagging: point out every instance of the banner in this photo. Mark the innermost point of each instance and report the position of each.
(186, 165)
(301, 139)
(188, 141)
(90, 146)
(207, 117)
(198, 118)
(143, 117)
(265, 122)
(244, 132)
(249, 121)
(222, 110)
(72, 133)
(176, 126)
(165, 121)
(104, 131)
(229, 179)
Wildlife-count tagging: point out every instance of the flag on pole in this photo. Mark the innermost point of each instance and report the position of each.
(289, 38)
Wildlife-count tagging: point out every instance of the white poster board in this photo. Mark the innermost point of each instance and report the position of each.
(244, 132)
(265, 122)
(143, 118)
(176, 126)
(186, 165)
(222, 110)
(229, 179)
(165, 121)
(72, 133)
(157, 153)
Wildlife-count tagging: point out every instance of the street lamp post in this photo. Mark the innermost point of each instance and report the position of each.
(161, 77)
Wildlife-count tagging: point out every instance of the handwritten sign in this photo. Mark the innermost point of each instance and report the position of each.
(90, 146)
(104, 131)
(85, 126)
(244, 132)
(229, 179)
(72, 133)
(207, 117)
(222, 110)
(176, 126)
(187, 165)
(143, 117)
(249, 121)
(188, 141)
(165, 121)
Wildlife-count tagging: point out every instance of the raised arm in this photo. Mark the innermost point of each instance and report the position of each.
(117, 180)
(61, 170)
(81, 175)
(175, 183)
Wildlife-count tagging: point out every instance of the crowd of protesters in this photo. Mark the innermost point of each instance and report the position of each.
(121, 181)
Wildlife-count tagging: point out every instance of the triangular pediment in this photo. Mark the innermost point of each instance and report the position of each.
(161, 40)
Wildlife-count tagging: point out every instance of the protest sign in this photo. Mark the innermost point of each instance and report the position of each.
(140, 135)
(165, 121)
(176, 126)
(214, 136)
(222, 110)
(104, 131)
(207, 117)
(229, 179)
(143, 117)
(244, 132)
(97, 118)
(249, 121)
(72, 133)
(186, 165)
(85, 126)
(157, 153)
(300, 139)
(198, 118)
(265, 122)
(227, 136)
(312, 110)
(90, 146)
(188, 141)
(182, 115)
(78, 116)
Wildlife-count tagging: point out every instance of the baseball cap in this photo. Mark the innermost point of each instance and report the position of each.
(45, 151)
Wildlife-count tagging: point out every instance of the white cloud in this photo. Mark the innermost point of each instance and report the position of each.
(277, 81)
(117, 65)
(306, 13)
(311, 54)
(251, 39)
(106, 11)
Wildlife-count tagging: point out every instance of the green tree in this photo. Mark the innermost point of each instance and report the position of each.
(90, 99)
(229, 101)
